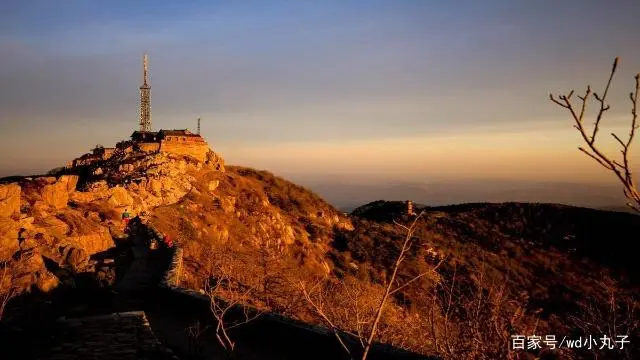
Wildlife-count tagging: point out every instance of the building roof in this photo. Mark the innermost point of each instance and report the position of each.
(137, 132)
(182, 132)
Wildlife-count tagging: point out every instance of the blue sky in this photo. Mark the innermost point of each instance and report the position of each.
(355, 79)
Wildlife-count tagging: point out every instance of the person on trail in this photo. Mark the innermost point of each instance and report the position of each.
(167, 241)
(126, 217)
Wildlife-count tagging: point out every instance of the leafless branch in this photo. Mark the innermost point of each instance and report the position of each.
(194, 332)
(320, 311)
(416, 278)
(225, 296)
(622, 170)
(363, 314)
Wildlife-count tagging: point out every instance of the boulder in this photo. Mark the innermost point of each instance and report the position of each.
(228, 204)
(213, 184)
(8, 238)
(28, 244)
(27, 268)
(83, 197)
(46, 281)
(289, 235)
(93, 240)
(119, 197)
(9, 199)
(55, 195)
(26, 222)
(70, 182)
(47, 180)
(154, 186)
(77, 259)
(214, 161)
(53, 226)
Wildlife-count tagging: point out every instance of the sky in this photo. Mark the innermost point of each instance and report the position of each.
(326, 93)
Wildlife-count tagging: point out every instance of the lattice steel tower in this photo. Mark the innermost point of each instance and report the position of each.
(145, 98)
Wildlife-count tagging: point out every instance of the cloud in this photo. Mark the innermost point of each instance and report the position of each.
(507, 155)
(349, 87)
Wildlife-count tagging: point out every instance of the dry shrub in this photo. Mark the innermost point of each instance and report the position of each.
(476, 321)
(351, 306)
(7, 286)
(230, 291)
(617, 315)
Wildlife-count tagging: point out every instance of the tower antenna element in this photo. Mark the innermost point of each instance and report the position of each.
(145, 97)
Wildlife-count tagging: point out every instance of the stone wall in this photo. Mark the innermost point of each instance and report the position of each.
(183, 139)
(149, 147)
(280, 336)
(197, 150)
(271, 329)
(171, 276)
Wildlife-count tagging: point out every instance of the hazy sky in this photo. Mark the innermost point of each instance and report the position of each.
(362, 91)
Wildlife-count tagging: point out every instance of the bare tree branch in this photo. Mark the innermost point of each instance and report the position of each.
(622, 170)
(364, 317)
(225, 295)
(417, 277)
(334, 329)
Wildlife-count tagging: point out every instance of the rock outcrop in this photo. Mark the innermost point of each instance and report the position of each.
(197, 151)
(8, 238)
(9, 199)
(55, 220)
(56, 192)
(119, 197)
(214, 161)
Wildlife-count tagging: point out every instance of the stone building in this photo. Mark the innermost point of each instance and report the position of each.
(144, 136)
(410, 209)
(181, 142)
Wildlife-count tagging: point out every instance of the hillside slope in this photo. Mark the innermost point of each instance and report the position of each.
(500, 269)
(560, 269)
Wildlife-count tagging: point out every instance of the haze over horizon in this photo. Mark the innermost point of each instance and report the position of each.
(340, 96)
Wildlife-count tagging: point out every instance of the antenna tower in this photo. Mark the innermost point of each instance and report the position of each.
(198, 125)
(145, 97)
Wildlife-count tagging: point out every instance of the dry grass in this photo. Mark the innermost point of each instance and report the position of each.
(509, 268)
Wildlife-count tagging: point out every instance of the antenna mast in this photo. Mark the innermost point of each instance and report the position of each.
(198, 125)
(145, 97)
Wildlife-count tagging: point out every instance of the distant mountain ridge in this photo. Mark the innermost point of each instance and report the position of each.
(348, 196)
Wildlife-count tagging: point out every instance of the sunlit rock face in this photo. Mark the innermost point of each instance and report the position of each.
(9, 200)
